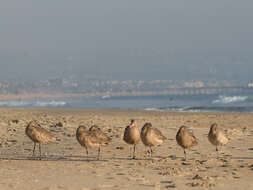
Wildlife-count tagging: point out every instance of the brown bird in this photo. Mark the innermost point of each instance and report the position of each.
(38, 135)
(151, 136)
(93, 137)
(217, 137)
(132, 135)
(100, 135)
(185, 138)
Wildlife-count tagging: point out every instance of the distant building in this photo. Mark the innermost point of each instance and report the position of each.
(250, 85)
(194, 84)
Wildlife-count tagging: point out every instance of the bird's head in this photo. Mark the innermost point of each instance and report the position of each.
(145, 127)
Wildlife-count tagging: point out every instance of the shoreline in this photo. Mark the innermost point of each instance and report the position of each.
(172, 91)
(4, 97)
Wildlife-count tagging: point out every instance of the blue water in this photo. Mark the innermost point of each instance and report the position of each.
(172, 103)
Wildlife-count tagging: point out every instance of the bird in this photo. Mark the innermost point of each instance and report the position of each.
(38, 135)
(185, 139)
(151, 136)
(217, 137)
(132, 135)
(100, 135)
(93, 137)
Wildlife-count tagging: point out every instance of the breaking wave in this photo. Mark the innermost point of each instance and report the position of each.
(204, 109)
(51, 103)
(230, 99)
(153, 109)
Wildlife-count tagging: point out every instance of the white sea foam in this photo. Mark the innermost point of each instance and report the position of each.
(230, 99)
(51, 103)
(152, 109)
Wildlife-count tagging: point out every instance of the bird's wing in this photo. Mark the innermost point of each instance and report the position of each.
(44, 135)
(102, 136)
(159, 134)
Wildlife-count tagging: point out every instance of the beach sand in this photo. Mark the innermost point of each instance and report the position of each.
(64, 165)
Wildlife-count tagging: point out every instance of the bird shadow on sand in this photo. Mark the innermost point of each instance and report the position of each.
(241, 158)
(129, 158)
(147, 158)
(54, 158)
(79, 158)
(72, 158)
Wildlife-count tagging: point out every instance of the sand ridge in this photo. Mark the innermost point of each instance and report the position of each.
(64, 164)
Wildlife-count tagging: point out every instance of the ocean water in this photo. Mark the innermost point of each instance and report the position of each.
(170, 103)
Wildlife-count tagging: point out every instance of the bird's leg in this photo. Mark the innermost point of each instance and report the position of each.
(151, 151)
(130, 150)
(147, 151)
(40, 151)
(217, 152)
(87, 153)
(134, 152)
(98, 152)
(34, 148)
(184, 155)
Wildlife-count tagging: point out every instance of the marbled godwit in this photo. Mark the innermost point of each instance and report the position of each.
(151, 136)
(38, 135)
(217, 137)
(132, 135)
(91, 138)
(101, 136)
(185, 139)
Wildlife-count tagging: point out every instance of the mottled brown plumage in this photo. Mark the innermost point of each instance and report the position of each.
(185, 138)
(99, 134)
(93, 137)
(38, 135)
(151, 136)
(216, 136)
(132, 135)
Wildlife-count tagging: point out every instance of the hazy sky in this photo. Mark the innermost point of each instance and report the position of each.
(139, 39)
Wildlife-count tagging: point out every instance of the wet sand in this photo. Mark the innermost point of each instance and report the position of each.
(64, 165)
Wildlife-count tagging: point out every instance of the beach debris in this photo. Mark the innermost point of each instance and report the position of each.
(120, 147)
(202, 181)
(59, 124)
(15, 121)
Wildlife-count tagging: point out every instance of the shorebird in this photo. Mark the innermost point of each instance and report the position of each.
(100, 135)
(185, 139)
(38, 135)
(217, 137)
(132, 135)
(93, 137)
(151, 136)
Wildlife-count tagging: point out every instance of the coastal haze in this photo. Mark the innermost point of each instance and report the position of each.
(117, 40)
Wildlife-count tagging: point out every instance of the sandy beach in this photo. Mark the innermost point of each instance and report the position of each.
(64, 165)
